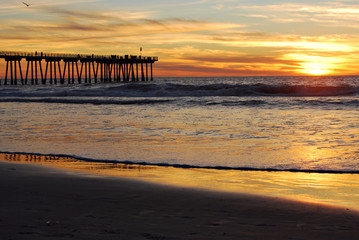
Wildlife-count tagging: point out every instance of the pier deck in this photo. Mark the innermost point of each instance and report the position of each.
(55, 68)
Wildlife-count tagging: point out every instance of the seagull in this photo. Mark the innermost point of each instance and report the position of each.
(27, 5)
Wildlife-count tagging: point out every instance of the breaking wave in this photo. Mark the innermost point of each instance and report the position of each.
(85, 101)
(178, 90)
(181, 90)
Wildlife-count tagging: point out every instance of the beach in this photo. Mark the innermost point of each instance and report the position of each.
(181, 158)
(184, 120)
(40, 202)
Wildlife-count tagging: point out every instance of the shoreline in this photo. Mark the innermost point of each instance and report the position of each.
(40, 202)
(181, 166)
(325, 188)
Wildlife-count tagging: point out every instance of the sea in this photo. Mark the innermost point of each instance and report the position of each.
(297, 124)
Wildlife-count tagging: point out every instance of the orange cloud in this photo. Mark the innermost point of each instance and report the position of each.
(190, 70)
(201, 47)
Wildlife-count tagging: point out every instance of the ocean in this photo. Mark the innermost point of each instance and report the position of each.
(307, 124)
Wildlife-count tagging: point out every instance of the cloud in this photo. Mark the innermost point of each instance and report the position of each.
(67, 23)
(10, 7)
(333, 13)
(243, 60)
(191, 44)
(210, 62)
(177, 69)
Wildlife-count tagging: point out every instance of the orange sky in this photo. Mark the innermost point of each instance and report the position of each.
(194, 38)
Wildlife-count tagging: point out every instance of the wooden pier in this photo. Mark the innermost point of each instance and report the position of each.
(54, 68)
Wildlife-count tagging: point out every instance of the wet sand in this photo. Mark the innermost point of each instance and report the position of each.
(39, 202)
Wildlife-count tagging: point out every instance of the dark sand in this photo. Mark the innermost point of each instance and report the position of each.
(45, 203)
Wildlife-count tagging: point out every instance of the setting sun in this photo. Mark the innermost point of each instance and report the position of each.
(316, 70)
(314, 65)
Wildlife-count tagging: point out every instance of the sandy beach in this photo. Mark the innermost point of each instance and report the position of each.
(39, 202)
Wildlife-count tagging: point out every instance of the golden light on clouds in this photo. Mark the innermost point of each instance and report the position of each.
(316, 69)
(315, 65)
(195, 38)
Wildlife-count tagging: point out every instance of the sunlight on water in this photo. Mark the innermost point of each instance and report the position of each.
(337, 189)
(236, 137)
(307, 124)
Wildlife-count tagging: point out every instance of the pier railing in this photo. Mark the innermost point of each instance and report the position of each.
(74, 67)
(4, 54)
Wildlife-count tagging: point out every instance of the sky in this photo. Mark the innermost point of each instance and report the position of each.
(194, 38)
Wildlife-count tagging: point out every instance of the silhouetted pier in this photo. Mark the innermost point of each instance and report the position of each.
(54, 68)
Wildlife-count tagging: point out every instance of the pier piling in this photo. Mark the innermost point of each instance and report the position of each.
(72, 67)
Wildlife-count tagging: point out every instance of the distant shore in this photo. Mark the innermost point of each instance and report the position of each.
(39, 202)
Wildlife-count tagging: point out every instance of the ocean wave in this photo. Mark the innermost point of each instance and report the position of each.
(332, 102)
(199, 102)
(85, 101)
(179, 90)
(239, 102)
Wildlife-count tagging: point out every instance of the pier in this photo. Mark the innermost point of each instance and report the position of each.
(34, 68)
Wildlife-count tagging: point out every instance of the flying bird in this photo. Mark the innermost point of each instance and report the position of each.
(27, 5)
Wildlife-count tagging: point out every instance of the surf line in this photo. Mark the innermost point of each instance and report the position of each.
(38, 158)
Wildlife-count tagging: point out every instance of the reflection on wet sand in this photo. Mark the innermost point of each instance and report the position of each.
(338, 189)
(74, 164)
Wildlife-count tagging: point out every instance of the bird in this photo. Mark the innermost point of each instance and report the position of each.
(27, 5)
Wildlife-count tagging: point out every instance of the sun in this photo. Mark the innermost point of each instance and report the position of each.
(316, 71)
(314, 65)
(315, 68)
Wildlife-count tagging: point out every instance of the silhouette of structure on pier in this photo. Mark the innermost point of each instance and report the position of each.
(75, 68)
